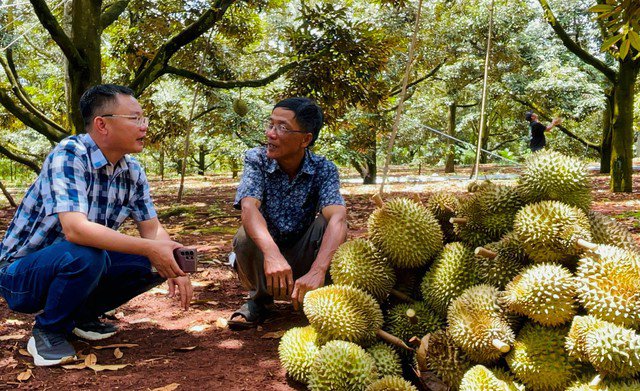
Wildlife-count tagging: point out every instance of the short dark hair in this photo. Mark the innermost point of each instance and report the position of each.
(97, 97)
(307, 112)
(527, 115)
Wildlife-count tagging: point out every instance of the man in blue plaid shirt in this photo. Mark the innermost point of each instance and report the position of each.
(62, 254)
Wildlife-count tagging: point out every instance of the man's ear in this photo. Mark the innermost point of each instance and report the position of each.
(308, 138)
(100, 125)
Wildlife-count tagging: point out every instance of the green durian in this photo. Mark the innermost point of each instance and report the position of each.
(426, 320)
(470, 229)
(391, 383)
(444, 206)
(297, 350)
(575, 343)
(609, 284)
(618, 385)
(444, 358)
(539, 360)
(509, 260)
(240, 107)
(549, 230)
(606, 230)
(481, 378)
(343, 312)
(342, 366)
(386, 358)
(543, 292)
(405, 232)
(357, 263)
(451, 273)
(408, 282)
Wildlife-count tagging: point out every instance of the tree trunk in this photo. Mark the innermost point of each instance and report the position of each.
(161, 162)
(622, 137)
(451, 131)
(485, 142)
(8, 195)
(234, 168)
(605, 152)
(202, 154)
(370, 159)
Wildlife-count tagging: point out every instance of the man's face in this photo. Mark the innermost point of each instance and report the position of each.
(125, 135)
(285, 145)
(534, 117)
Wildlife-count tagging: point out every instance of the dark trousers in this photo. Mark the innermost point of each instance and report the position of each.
(300, 256)
(72, 283)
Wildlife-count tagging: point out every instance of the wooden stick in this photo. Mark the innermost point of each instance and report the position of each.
(377, 199)
(501, 346)
(586, 245)
(448, 209)
(459, 220)
(485, 252)
(411, 314)
(402, 296)
(392, 339)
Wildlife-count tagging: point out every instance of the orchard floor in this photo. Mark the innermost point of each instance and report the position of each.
(192, 350)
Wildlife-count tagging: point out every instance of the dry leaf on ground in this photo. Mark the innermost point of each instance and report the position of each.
(74, 366)
(273, 334)
(91, 359)
(222, 323)
(26, 375)
(116, 345)
(24, 352)
(112, 367)
(117, 353)
(168, 387)
(10, 337)
(185, 349)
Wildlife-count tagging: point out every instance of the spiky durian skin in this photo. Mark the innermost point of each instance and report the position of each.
(342, 365)
(613, 349)
(539, 360)
(386, 358)
(297, 350)
(575, 343)
(451, 273)
(405, 232)
(621, 385)
(342, 312)
(543, 292)
(446, 359)
(509, 262)
(357, 263)
(481, 378)
(548, 231)
(427, 321)
(550, 175)
(391, 383)
(606, 230)
(476, 320)
(609, 285)
(473, 233)
(444, 206)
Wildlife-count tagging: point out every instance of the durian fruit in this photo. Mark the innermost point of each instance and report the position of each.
(609, 284)
(424, 321)
(618, 385)
(606, 230)
(405, 232)
(467, 225)
(481, 378)
(357, 263)
(550, 175)
(543, 292)
(504, 260)
(500, 204)
(444, 206)
(539, 360)
(476, 186)
(451, 273)
(391, 383)
(386, 358)
(611, 349)
(550, 230)
(443, 357)
(240, 107)
(297, 350)
(479, 326)
(408, 282)
(342, 365)
(343, 312)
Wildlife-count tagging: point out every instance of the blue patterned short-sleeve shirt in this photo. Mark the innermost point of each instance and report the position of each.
(289, 207)
(76, 177)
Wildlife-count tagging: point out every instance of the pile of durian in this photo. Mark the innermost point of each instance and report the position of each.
(511, 288)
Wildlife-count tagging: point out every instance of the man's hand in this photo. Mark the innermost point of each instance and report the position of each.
(160, 254)
(310, 281)
(185, 290)
(279, 276)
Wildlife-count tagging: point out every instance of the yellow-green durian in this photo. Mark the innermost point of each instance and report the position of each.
(444, 358)
(343, 312)
(342, 366)
(451, 273)
(386, 358)
(543, 292)
(444, 206)
(240, 107)
(426, 320)
(606, 230)
(479, 326)
(539, 360)
(575, 342)
(358, 263)
(405, 232)
(481, 378)
(391, 383)
(609, 284)
(549, 230)
(472, 232)
(297, 350)
(606, 385)
(509, 261)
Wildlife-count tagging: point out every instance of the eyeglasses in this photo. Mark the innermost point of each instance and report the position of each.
(281, 129)
(140, 120)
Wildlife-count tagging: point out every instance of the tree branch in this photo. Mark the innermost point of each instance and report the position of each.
(50, 23)
(573, 46)
(30, 119)
(20, 159)
(8, 195)
(423, 78)
(206, 111)
(112, 12)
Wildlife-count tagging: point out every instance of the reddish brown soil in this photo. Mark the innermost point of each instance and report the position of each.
(188, 348)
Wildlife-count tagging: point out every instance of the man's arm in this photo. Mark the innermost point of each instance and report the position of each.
(334, 235)
(277, 271)
(553, 123)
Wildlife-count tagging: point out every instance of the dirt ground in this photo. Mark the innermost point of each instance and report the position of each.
(191, 350)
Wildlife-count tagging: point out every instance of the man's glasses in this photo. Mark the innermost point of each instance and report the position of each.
(281, 129)
(139, 120)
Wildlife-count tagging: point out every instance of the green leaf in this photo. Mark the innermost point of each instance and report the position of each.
(624, 48)
(601, 8)
(634, 38)
(606, 45)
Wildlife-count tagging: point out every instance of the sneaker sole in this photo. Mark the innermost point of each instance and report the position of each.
(90, 335)
(43, 362)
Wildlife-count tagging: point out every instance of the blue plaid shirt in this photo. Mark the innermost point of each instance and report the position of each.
(289, 207)
(76, 177)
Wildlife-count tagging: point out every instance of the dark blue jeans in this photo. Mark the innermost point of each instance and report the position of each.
(70, 283)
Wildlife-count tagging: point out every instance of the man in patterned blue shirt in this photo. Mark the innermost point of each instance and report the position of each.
(62, 254)
(293, 216)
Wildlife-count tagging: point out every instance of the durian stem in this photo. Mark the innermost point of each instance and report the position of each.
(501, 346)
(586, 245)
(595, 383)
(402, 296)
(392, 339)
(448, 209)
(377, 199)
(458, 220)
(485, 252)
(411, 314)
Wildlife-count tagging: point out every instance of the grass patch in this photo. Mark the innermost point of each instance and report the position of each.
(218, 230)
(177, 211)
